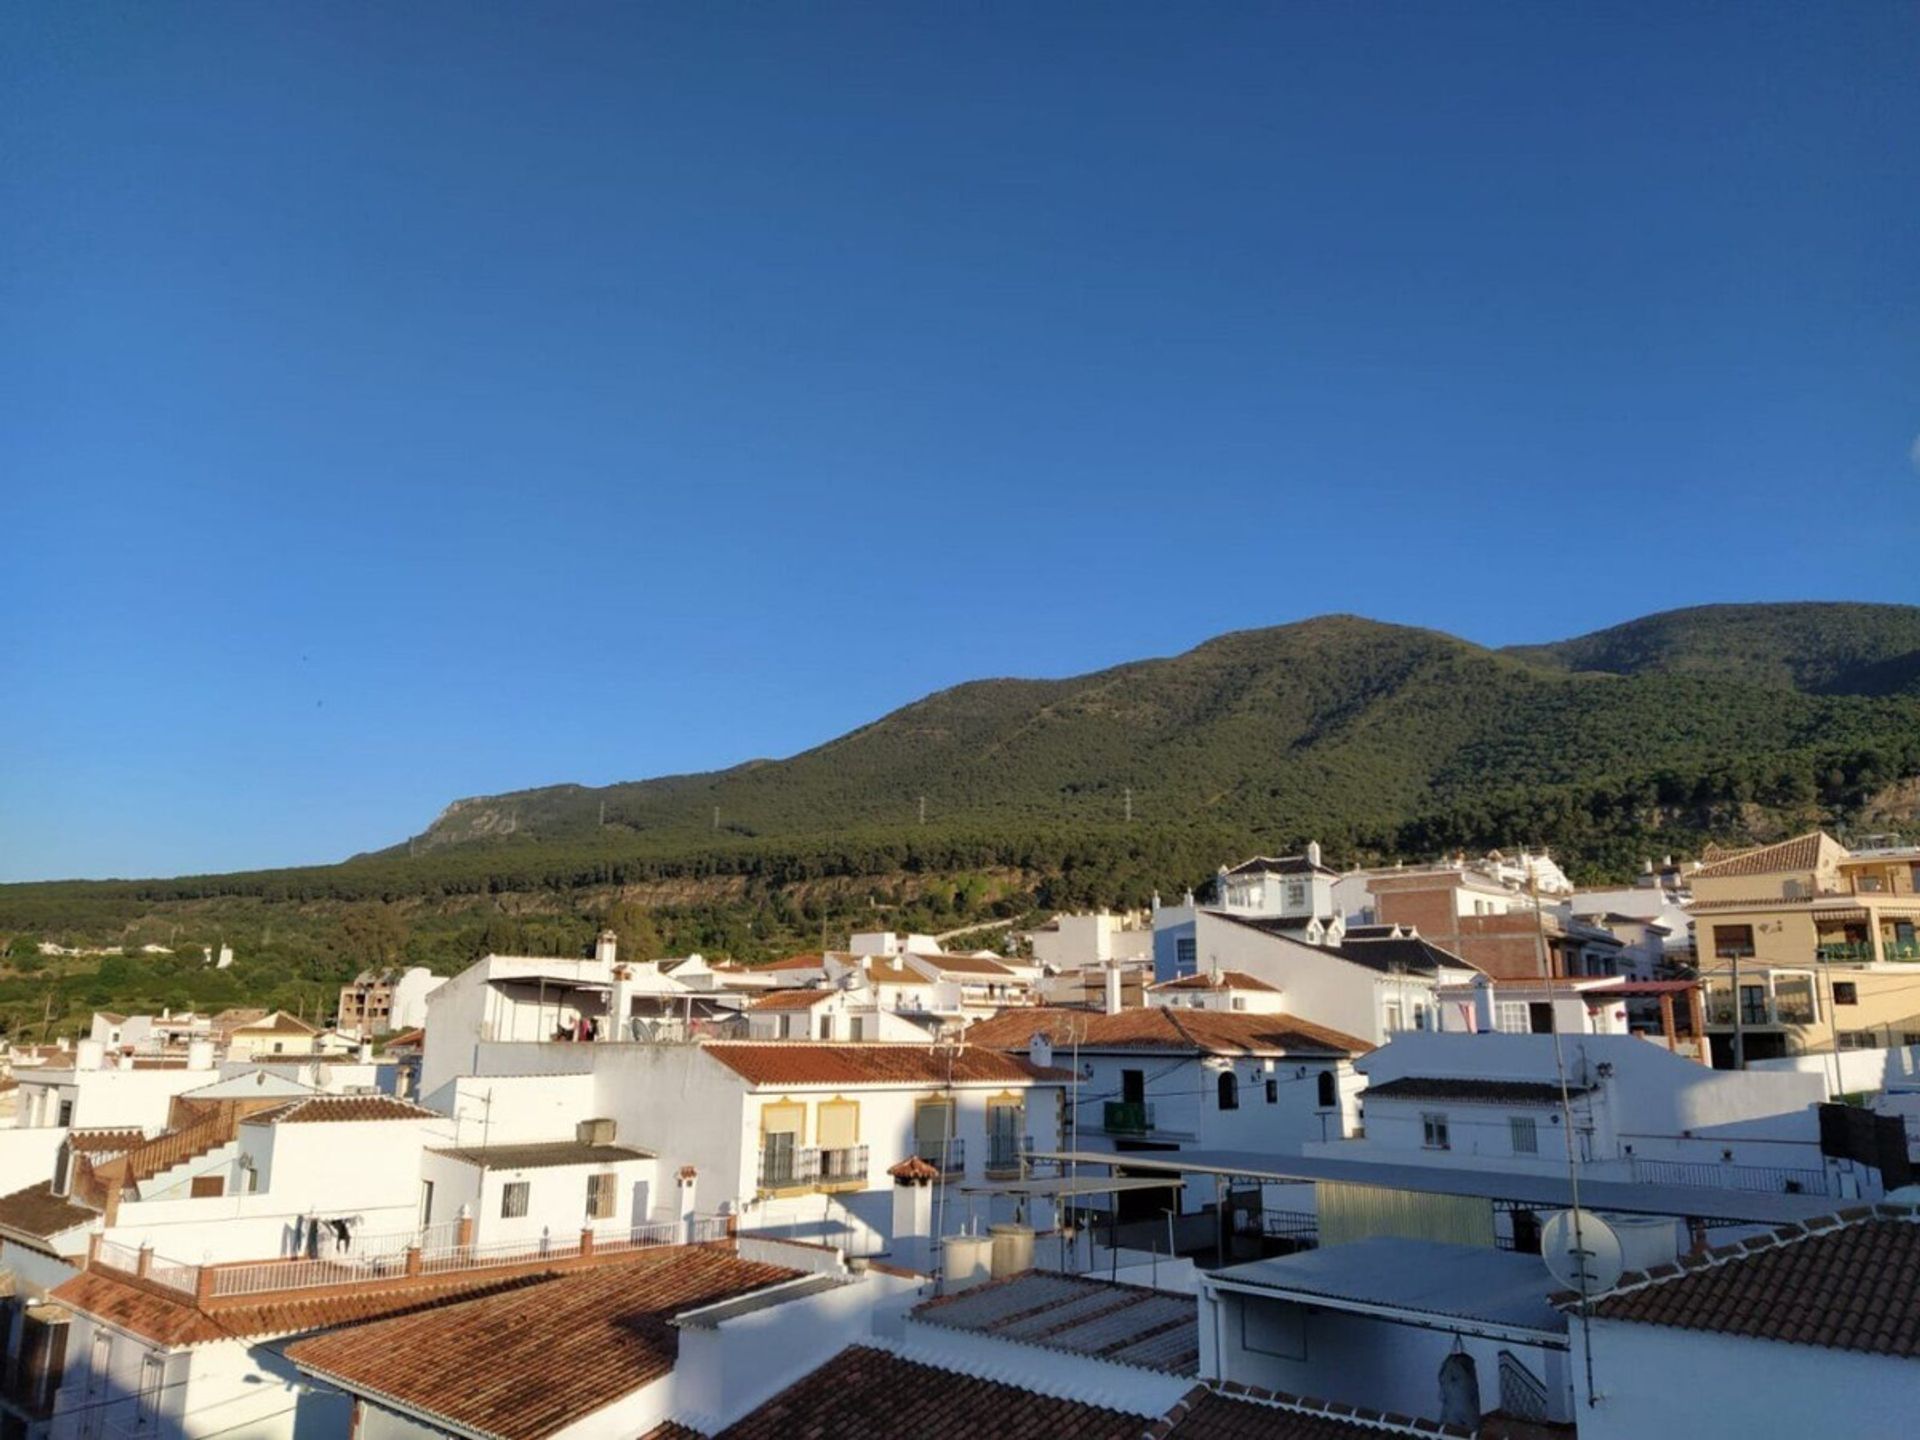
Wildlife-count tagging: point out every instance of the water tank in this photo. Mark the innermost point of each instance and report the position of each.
(1012, 1249)
(967, 1261)
(1645, 1240)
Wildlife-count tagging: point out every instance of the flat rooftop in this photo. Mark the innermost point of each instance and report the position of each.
(1704, 1202)
(1126, 1324)
(1423, 1277)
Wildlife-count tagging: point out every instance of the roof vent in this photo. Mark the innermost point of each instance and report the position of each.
(594, 1132)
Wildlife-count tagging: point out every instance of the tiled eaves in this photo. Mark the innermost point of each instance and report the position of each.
(1821, 1317)
(1385, 1421)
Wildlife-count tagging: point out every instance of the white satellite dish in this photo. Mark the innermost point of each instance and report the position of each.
(323, 1076)
(1586, 1258)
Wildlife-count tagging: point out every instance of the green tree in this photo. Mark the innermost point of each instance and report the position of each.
(633, 923)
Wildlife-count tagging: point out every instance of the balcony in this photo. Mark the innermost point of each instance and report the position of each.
(947, 1156)
(1128, 1117)
(788, 1167)
(1854, 952)
(844, 1168)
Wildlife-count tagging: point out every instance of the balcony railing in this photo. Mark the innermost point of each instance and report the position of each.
(1774, 1179)
(1845, 950)
(788, 1168)
(949, 1156)
(846, 1166)
(1128, 1117)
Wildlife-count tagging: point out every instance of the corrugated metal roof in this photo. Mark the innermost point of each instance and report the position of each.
(1128, 1324)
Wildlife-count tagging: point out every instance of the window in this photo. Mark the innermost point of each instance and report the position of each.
(1393, 1022)
(1239, 1002)
(1229, 1090)
(1186, 955)
(856, 1028)
(207, 1185)
(1525, 1134)
(1005, 1123)
(1419, 1017)
(1845, 993)
(1856, 1040)
(1733, 942)
(1753, 1005)
(933, 1132)
(1510, 1017)
(602, 1196)
(513, 1199)
(1329, 1095)
(66, 1113)
(1296, 894)
(1910, 1037)
(1433, 1132)
(826, 1027)
(153, 1374)
(1273, 1091)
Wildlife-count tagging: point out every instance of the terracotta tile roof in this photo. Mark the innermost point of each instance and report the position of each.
(1491, 1092)
(1800, 853)
(867, 1394)
(1243, 1412)
(673, 1430)
(36, 1211)
(1218, 980)
(967, 965)
(914, 1168)
(1160, 1027)
(535, 1360)
(415, 1036)
(791, 1000)
(810, 1063)
(177, 1321)
(331, 1109)
(1849, 1283)
(281, 1023)
(796, 962)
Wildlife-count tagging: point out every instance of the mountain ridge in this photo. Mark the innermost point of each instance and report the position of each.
(1332, 690)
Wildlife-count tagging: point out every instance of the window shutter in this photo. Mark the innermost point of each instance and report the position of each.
(839, 1125)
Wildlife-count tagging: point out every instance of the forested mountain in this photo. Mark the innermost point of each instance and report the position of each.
(1382, 741)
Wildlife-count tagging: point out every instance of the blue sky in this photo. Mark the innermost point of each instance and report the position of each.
(401, 402)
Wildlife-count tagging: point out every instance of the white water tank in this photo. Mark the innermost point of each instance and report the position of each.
(1012, 1249)
(1645, 1240)
(968, 1261)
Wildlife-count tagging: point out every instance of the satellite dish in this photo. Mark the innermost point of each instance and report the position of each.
(1586, 1258)
(323, 1076)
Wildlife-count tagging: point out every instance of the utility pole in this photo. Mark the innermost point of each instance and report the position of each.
(923, 809)
(1129, 804)
(716, 819)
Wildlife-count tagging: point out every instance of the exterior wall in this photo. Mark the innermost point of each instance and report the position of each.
(301, 1173)
(1657, 1380)
(1184, 1097)
(1363, 1361)
(1073, 941)
(104, 1099)
(510, 1109)
(556, 1200)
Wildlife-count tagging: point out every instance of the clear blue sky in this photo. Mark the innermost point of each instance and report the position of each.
(408, 401)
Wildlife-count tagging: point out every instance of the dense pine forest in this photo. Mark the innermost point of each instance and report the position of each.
(1382, 742)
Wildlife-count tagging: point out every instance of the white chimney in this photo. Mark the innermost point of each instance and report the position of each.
(1113, 990)
(606, 947)
(199, 1055)
(1313, 852)
(88, 1055)
(1482, 1004)
(1040, 1050)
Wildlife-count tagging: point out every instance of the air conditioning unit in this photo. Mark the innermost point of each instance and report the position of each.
(594, 1132)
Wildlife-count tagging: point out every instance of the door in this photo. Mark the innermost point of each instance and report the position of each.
(1133, 1087)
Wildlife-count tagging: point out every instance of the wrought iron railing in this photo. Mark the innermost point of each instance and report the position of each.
(1128, 1117)
(949, 1156)
(788, 1168)
(844, 1166)
(1775, 1179)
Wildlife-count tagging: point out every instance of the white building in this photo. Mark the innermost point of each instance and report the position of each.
(1372, 982)
(1165, 1079)
(1073, 942)
(1809, 1332)
(1640, 1114)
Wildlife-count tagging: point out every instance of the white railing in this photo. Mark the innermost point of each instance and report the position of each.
(173, 1275)
(120, 1257)
(263, 1276)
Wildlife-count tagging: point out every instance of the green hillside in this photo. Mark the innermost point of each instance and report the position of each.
(1727, 722)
